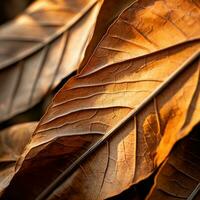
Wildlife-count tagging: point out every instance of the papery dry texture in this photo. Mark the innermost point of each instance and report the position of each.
(104, 20)
(40, 48)
(129, 88)
(12, 143)
(179, 176)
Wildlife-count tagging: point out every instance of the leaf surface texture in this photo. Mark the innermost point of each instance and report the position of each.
(41, 47)
(146, 45)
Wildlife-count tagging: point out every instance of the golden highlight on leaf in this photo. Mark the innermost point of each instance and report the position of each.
(179, 176)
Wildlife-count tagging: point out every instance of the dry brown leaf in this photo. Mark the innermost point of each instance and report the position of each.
(40, 48)
(131, 154)
(134, 87)
(12, 143)
(104, 20)
(179, 176)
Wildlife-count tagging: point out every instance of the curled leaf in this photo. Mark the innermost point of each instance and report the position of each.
(179, 176)
(12, 143)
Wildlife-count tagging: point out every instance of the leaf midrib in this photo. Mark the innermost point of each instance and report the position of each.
(40, 45)
(77, 162)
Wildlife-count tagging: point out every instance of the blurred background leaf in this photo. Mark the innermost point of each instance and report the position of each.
(10, 8)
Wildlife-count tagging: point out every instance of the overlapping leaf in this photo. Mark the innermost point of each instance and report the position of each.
(133, 147)
(40, 48)
(137, 86)
(104, 20)
(179, 177)
(12, 143)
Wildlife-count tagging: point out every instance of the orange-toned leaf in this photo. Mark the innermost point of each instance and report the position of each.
(179, 176)
(104, 20)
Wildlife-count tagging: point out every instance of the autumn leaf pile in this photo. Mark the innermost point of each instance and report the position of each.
(125, 120)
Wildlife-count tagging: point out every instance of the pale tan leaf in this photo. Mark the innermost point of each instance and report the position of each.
(40, 48)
